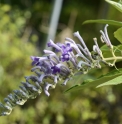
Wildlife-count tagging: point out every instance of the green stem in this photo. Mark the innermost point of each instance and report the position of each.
(113, 58)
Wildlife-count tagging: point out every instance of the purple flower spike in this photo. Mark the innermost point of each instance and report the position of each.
(72, 59)
(55, 69)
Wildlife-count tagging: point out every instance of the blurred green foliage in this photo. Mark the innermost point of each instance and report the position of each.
(89, 106)
(14, 49)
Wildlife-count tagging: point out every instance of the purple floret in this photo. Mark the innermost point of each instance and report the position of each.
(68, 48)
(55, 69)
(65, 57)
(49, 44)
(35, 60)
(65, 47)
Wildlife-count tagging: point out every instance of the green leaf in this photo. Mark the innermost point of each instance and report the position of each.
(118, 35)
(119, 48)
(107, 53)
(117, 5)
(93, 83)
(103, 21)
(115, 81)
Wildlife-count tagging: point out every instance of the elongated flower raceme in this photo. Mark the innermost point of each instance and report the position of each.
(68, 60)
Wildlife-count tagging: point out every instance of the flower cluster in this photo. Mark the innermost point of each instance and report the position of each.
(68, 60)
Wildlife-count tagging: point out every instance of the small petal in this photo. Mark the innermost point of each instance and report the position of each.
(65, 82)
(104, 37)
(55, 69)
(76, 34)
(52, 44)
(65, 57)
(35, 60)
(41, 77)
(46, 93)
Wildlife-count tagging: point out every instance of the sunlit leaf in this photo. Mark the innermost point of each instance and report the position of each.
(115, 81)
(103, 21)
(93, 83)
(118, 35)
(117, 5)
